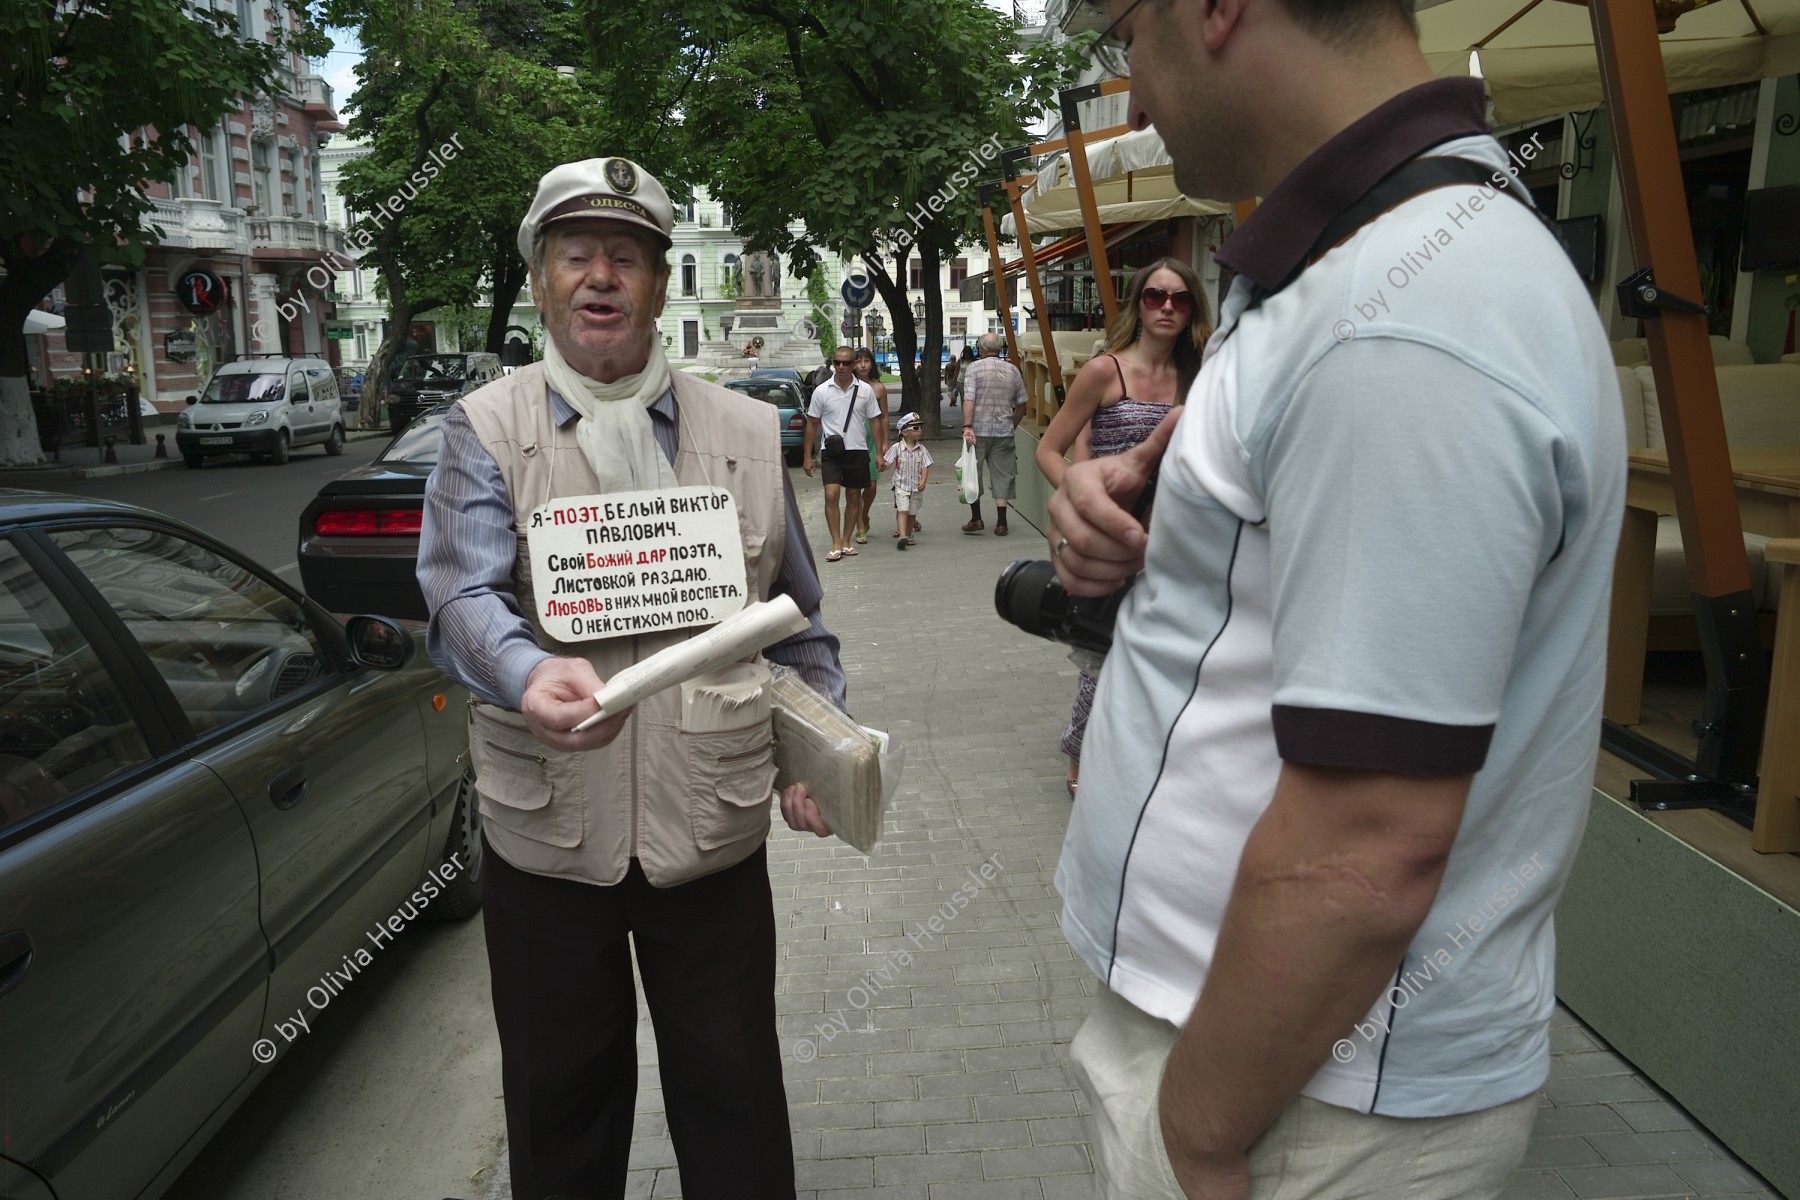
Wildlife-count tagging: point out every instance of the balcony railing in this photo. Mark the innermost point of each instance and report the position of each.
(294, 233)
(197, 224)
(314, 92)
(1075, 16)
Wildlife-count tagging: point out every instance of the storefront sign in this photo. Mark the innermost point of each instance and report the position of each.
(341, 331)
(201, 292)
(181, 346)
(636, 562)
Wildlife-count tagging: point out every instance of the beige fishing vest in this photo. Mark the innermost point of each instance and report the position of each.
(682, 804)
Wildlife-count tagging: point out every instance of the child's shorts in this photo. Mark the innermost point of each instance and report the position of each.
(908, 502)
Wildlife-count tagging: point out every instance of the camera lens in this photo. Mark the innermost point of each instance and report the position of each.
(1028, 595)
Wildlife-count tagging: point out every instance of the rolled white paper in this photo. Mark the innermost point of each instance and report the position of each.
(740, 635)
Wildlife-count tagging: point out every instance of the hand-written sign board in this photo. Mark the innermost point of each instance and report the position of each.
(636, 562)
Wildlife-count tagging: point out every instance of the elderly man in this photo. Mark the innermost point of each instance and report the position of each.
(637, 833)
(993, 405)
(1340, 756)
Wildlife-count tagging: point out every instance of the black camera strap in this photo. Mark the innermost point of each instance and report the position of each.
(1410, 179)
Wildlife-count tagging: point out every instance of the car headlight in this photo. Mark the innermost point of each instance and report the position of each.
(258, 417)
(185, 420)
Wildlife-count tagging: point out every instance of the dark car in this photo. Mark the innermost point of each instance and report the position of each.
(422, 380)
(790, 374)
(788, 397)
(359, 538)
(218, 806)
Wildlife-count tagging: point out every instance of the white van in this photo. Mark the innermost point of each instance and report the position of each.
(263, 407)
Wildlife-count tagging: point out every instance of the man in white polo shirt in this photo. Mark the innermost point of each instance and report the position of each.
(1342, 748)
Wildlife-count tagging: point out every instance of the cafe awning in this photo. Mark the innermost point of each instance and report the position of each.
(1134, 180)
(1538, 56)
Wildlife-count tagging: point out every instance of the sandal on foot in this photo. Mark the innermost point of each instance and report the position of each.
(850, 550)
(834, 556)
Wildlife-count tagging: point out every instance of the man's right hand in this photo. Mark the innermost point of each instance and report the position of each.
(1092, 512)
(806, 464)
(559, 695)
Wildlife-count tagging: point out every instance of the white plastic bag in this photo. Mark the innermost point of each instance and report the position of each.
(968, 475)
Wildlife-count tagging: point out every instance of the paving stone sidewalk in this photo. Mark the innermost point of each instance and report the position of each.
(944, 1079)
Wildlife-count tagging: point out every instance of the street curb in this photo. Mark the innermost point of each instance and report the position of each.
(54, 470)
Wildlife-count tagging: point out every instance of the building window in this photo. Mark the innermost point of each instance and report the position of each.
(959, 271)
(246, 19)
(261, 175)
(287, 182)
(690, 275)
(690, 339)
(212, 166)
(362, 343)
(687, 210)
(915, 274)
(959, 327)
(728, 272)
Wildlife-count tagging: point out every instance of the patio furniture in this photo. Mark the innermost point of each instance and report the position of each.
(1767, 479)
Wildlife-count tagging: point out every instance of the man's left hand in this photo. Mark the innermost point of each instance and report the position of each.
(801, 812)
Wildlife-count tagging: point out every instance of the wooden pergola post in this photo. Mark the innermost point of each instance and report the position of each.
(1664, 293)
(1071, 101)
(1045, 333)
(997, 267)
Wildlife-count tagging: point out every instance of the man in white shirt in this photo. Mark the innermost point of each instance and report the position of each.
(834, 425)
(1342, 750)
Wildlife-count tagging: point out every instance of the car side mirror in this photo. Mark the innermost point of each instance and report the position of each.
(378, 642)
(193, 399)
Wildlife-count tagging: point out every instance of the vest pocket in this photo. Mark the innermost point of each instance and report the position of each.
(532, 790)
(730, 778)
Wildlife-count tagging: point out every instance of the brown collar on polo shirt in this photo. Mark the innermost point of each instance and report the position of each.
(1271, 244)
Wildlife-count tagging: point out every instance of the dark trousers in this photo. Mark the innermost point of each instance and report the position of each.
(567, 1013)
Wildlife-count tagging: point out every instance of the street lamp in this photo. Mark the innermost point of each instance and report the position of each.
(876, 328)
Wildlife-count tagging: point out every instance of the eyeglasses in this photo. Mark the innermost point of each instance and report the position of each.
(843, 362)
(1155, 297)
(1112, 52)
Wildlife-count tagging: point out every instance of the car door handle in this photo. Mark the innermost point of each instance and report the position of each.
(15, 958)
(288, 788)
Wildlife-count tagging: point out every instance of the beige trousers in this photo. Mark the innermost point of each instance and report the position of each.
(1314, 1151)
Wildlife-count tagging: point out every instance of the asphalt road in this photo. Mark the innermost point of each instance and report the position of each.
(395, 1094)
(252, 506)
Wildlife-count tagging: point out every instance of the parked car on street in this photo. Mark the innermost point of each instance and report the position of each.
(423, 380)
(263, 407)
(359, 538)
(792, 374)
(788, 397)
(218, 806)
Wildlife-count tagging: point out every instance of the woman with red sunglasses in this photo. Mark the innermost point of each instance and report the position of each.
(1152, 355)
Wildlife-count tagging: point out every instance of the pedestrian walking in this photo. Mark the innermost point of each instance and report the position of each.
(993, 405)
(1340, 757)
(837, 424)
(911, 463)
(869, 371)
(599, 844)
(1120, 396)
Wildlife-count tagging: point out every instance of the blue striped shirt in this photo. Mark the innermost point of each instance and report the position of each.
(468, 547)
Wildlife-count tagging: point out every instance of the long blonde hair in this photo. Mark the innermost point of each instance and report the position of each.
(1126, 326)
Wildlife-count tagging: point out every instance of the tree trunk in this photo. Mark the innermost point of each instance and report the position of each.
(906, 340)
(400, 314)
(28, 279)
(509, 280)
(931, 404)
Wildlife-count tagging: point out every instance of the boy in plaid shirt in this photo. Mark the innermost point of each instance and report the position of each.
(910, 463)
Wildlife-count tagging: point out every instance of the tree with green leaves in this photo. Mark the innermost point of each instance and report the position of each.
(100, 98)
(509, 79)
(862, 120)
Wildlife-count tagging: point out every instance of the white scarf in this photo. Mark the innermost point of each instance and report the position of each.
(615, 434)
